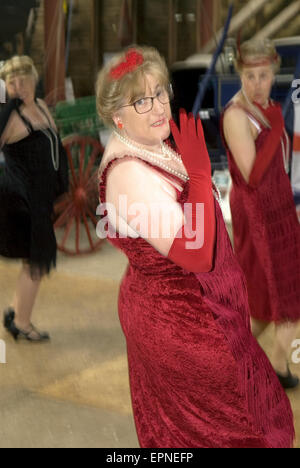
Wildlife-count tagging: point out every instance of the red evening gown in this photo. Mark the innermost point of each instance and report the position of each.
(267, 237)
(198, 378)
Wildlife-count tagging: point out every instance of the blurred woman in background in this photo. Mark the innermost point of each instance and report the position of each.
(265, 224)
(35, 174)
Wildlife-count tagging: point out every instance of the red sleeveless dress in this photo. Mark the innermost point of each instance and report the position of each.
(198, 378)
(267, 237)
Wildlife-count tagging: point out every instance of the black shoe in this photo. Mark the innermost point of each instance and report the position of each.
(288, 381)
(33, 335)
(9, 316)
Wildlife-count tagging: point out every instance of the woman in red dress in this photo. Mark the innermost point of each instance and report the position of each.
(198, 377)
(265, 224)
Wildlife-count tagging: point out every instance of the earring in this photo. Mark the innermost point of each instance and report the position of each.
(120, 125)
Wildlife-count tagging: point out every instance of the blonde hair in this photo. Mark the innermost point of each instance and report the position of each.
(18, 65)
(256, 50)
(253, 53)
(112, 93)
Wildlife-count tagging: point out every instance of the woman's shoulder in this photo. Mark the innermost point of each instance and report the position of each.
(42, 103)
(234, 112)
(45, 108)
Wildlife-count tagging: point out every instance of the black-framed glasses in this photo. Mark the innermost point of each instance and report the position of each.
(145, 104)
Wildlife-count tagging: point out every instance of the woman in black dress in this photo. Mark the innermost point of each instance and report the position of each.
(35, 174)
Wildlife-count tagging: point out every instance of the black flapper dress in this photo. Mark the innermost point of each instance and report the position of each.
(34, 176)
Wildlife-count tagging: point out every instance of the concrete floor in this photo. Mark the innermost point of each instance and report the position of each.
(73, 392)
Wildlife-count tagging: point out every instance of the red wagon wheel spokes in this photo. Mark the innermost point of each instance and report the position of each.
(77, 214)
(64, 214)
(93, 218)
(71, 163)
(82, 161)
(91, 164)
(67, 232)
(62, 205)
(88, 231)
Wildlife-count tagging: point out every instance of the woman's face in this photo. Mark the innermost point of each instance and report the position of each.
(257, 83)
(152, 127)
(21, 86)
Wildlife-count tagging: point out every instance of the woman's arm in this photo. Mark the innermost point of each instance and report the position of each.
(253, 163)
(240, 140)
(135, 191)
(6, 115)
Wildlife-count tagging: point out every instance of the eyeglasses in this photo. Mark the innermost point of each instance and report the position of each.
(144, 105)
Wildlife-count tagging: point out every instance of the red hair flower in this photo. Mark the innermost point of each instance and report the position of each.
(132, 60)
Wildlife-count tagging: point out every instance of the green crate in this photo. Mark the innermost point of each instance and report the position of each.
(80, 117)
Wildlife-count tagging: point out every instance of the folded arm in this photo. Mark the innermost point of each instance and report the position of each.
(252, 163)
(146, 206)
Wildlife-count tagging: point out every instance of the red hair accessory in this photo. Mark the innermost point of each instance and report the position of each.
(132, 60)
(258, 63)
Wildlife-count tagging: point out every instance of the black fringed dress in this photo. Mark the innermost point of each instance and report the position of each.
(35, 174)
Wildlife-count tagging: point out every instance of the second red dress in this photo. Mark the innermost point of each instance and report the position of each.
(267, 235)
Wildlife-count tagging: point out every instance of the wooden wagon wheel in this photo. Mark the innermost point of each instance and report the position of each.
(76, 220)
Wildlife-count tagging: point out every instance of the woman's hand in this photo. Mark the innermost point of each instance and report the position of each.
(12, 105)
(191, 144)
(195, 256)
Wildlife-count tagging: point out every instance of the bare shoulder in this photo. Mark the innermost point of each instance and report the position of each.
(46, 109)
(43, 104)
(236, 123)
(235, 114)
(135, 175)
(130, 168)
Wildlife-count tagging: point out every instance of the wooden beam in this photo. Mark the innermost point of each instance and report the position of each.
(55, 70)
(279, 22)
(207, 13)
(172, 49)
(251, 9)
(134, 18)
(95, 36)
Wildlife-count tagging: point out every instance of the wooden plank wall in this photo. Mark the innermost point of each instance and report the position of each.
(95, 31)
(96, 26)
(81, 61)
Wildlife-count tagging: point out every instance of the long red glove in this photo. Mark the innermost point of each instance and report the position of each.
(190, 142)
(270, 145)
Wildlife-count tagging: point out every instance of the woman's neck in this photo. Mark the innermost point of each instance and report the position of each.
(155, 147)
(250, 103)
(29, 103)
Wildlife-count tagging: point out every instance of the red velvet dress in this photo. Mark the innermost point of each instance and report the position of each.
(267, 238)
(198, 378)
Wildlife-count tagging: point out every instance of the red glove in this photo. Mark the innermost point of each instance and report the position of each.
(198, 256)
(270, 145)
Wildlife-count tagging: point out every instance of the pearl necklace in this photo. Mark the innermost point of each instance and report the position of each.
(54, 154)
(171, 156)
(167, 155)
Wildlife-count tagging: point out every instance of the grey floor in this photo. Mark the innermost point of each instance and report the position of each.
(72, 392)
